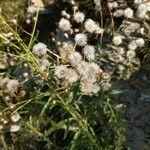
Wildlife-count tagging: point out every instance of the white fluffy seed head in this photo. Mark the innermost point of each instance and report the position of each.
(92, 77)
(138, 2)
(97, 4)
(1, 127)
(80, 39)
(31, 9)
(14, 128)
(89, 88)
(140, 42)
(71, 76)
(142, 7)
(118, 13)
(142, 31)
(90, 26)
(79, 17)
(117, 40)
(82, 67)
(91, 73)
(89, 52)
(40, 49)
(44, 63)
(142, 10)
(95, 68)
(15, 118)
(60, 71)
(110, 5)
(12, 86)
(132, 45)
(99, 30)
(3, 82)
(115, 4)
(121, 67)
(75, 58)
(131, 54)
(128, 13)
(64, 24)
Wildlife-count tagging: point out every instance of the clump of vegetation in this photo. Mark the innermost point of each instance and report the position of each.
(60, 94)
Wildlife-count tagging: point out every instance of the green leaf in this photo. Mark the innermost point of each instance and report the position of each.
(115, 92)
(119, 106)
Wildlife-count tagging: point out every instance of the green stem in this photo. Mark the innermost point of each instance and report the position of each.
(33, 32)
(82, 123)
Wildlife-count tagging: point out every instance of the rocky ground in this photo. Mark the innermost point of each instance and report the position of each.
(136, 96)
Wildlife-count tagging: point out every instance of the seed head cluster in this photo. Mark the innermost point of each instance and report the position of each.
(40, 50)
(81, 67)
(131, 38)
(11, 122)
(11, 86)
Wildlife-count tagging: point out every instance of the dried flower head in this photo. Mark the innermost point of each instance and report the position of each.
(97, 4)
(75, 58)
(115, 4)
(117, 40)
(64, 24)
(132, 45)
(60, 71)
(3, 82)
(128, 13)
(1, 127)
(118, 13)
(99, 30)
(140, 42)
(71, 76)
(44, 63)
(15, 118)
(131, 54)
(80, 39)
(143, 9)
(14, 128)
(90, 26)
(138, 2)
(31, 9)
(79, 17)
(12, 86)
(89, 52)
(40, 49)
(82, 67)
(92, 72)
(89, 88)
(95, 68)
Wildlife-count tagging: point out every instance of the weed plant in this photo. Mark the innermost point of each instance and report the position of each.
(48, 101)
